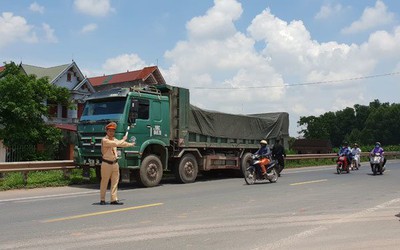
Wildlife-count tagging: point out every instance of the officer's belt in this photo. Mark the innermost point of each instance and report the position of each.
(108, 161)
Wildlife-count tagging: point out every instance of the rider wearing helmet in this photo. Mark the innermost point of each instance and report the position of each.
(379, 149)
(264, 151)
(345, 151)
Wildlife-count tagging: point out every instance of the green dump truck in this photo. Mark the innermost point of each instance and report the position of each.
(170, 134)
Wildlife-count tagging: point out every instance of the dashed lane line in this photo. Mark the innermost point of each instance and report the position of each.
(101, 213)
(307, 182)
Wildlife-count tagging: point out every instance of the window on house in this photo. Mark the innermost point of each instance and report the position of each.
(69, 76)
(64, 112)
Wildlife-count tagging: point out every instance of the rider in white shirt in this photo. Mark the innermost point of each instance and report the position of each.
(356, 152)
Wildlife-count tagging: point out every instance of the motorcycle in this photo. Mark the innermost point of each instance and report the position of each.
(342, 164)
(253, 173)
(376, 161)
(355, 162)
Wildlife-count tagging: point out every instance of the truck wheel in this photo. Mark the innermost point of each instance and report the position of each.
(245, 163)
(187, 169)
(151, 171)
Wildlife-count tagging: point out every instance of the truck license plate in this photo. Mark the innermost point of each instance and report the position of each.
(91, 162)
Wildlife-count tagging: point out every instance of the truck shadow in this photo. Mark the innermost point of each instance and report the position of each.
(169, 179)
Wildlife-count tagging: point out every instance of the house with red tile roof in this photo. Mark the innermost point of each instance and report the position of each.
(146, 76)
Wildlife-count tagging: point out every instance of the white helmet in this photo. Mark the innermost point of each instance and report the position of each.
(263, 142)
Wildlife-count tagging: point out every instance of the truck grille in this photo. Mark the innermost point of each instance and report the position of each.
(91, 142)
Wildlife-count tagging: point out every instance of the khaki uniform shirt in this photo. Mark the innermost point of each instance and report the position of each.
(109, 147)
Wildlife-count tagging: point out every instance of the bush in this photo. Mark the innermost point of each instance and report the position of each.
(37, 179)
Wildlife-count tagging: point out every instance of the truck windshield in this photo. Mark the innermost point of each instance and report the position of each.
(105, 109)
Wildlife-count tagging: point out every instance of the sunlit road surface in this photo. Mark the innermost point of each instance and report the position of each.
(308, 208)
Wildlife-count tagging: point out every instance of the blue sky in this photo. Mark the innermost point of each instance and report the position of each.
(234, 56)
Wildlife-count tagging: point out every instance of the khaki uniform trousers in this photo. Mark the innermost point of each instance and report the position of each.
(109, 171)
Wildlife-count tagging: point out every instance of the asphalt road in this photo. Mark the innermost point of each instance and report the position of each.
(308, 208)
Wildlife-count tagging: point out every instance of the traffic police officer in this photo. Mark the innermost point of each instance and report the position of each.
(109, 164)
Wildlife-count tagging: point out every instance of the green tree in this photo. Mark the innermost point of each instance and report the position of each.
(345, 120)
(361, 114)
(363, 124)
(23, 106)
(382, 125)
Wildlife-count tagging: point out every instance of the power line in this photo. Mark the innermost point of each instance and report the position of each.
(305, 83)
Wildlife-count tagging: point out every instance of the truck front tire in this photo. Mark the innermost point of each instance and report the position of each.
(151, 171)
(186, 169)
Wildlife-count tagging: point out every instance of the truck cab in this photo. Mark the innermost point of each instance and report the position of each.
(140, 113)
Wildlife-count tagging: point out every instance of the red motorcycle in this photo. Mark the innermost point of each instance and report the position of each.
(342, 164)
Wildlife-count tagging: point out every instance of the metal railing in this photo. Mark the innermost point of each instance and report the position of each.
(26, 166)
(36, 165)
(15, 153)
(331, 156)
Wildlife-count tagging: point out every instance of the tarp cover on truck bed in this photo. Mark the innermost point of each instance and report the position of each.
(254, 126)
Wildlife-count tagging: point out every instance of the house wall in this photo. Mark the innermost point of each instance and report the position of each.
(62, 81)
(72, 114)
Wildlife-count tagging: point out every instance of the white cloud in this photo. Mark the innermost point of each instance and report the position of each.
(123, 63)
(89, 28)
(371, 18)
(49, 34)
(298, 57)
(15, 29)
(94, 7)
(218, 21)
(35, 7)
(251, 80)
(328, 11)
(216, 55)
(384, 44)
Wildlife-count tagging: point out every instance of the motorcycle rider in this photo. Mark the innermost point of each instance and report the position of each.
(356, 151)
(278, 152)
(345, 151)
(378, 149)
(264, 151)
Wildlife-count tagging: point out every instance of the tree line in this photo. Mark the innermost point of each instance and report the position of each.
(360, 124)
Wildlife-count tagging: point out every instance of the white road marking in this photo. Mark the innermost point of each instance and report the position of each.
(291, 240)
(47, 196)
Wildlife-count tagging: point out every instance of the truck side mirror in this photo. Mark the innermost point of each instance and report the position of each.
(133, 112)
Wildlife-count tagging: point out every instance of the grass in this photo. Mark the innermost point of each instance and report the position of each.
(309, 163)
(37, 179)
